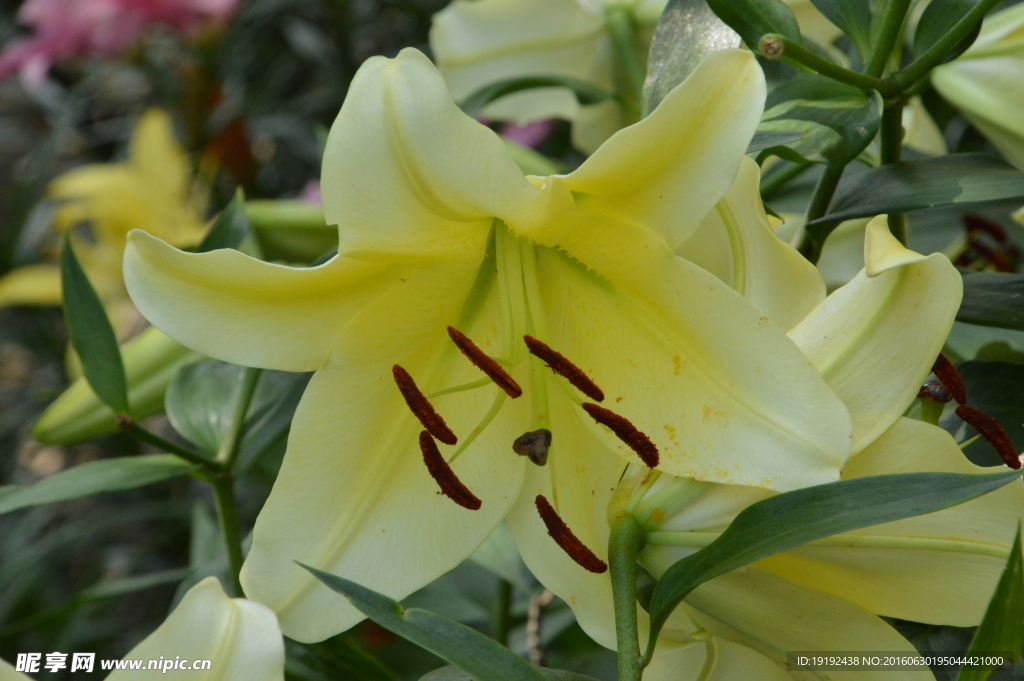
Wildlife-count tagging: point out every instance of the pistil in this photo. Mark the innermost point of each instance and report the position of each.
(445, 477)
(566, 540)
(421, 407)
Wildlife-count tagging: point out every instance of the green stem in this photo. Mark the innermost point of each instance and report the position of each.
(625, 542)
(228, 451)
(776, 46)
(823, 192)
(891, 137)
(774, 181)
(227, 515)
(892, 25)
(502, 616)
(141, 433)
(931, 410)
(622, 29)
(934, 55)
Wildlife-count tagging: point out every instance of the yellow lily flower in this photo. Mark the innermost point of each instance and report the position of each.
(438, 228)
(479, 42)
(986, 83)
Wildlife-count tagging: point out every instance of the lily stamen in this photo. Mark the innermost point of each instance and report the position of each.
(445, 477)
(625, 431)
(950, 378)
(484, 363)
(562, 366)
(421, 407)
(990, 429)
(566, 540)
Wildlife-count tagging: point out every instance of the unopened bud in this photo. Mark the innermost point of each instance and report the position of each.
(771, 47)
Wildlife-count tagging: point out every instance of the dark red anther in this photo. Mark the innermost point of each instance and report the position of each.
(560, 365)
(947, 373)
(422, 408)
(566, 540)
(991, 431)
(935, 391)
(445, 477)
(485, 363)
(625, 431)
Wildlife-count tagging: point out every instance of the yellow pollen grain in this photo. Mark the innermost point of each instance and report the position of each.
(657, 516)
(677, 365)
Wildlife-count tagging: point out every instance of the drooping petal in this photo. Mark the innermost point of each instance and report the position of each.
(158, 158)
(728, 662)
(736, 243)
(939, 568)
(240, 638)
(31, 285)
(875, 339)
(667, 171)
(721, 391)
(353, 496)
(238, 309)
(8, 673)
(482, 42)
(407, 175)
(586, 473)
(773, 616)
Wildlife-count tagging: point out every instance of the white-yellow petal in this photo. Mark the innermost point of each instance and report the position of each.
(238, 309)
(353, 496)
(736, 243)
(407, 175)
(8, 673)
(875, 339)
(939, 568)
(667, 171)
(728, 662)
(240, 638)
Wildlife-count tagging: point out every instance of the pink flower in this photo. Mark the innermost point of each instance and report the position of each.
(529, 135)
(72, 28)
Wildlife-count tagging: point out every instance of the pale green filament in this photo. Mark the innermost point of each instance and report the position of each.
(461, 388)
(499, 400)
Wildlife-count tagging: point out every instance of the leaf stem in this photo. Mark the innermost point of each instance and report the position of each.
(228, 451)
(227, 516)
(776, 46)
(502, 615)
(823, 192)
(892, 24)
(622, 29)
(141, 433)
(626, 540)
(774, 181)
(891, 138)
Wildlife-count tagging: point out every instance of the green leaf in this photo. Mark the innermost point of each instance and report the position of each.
(479, 656)
(290, 229)
(687, 32)
(1002, 628)
(200, 398)
(229, 229)
(586, 93)
(755, 18)
(925, 183)
(456, 674)
(794, 518)
(996, 388)
(91, 334)
(109, 475)
(852, 17)
(938, 18)
(836, 121)
(770, 139)
(993, 299)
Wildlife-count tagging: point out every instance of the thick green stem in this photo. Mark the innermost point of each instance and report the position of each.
(892, 25)
(625, 542)
(228, 451)
(141, 433)
(227, 516)
(775, 46)
(502, 615)
(828, 182)
(934, 55)
(623, 32)
(892, 152)
(774, 181)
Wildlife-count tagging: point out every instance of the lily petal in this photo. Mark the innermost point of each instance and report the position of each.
(728, 662)
(875, 339)
(8, 673)
(353, 496)
(31, 285)
(667, 171)
(721, 391)
(939, 568)
(408, 175)
(240, 638)
(736, 243)
(238, 309)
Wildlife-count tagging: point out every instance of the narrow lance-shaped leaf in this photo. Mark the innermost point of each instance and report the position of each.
(469, 650)
(109, 475)
(925, 183)
(91, 334)
(1002, 629)
(852, 17)
(229, 229)
(937, 19)
(755, 18)
(768, 139)
(687, 32)
(585, 92)
(993, 299)
(794, 518)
